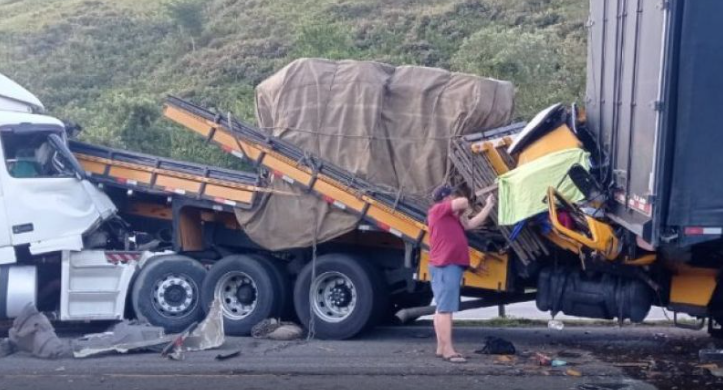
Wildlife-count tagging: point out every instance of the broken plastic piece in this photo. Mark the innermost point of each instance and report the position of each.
(174, 349)
(572, 372)
(558, 363)
(122, 338)
(229, 355)
(543, 359)
(555, 324)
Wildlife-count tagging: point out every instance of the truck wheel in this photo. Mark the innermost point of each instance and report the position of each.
(347, 296)
(167, 290)
(282, 284)
(247, 290)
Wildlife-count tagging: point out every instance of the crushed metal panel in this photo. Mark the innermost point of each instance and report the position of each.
(209, 333)
(65, 243)
(122, 338)
(51, 208)
(127, 337)
(49, 213)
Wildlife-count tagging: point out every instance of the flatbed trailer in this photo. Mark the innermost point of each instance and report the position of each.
(194, 204)
(392, 213)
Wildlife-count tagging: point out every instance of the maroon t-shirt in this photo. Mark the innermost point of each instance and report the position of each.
(447, 239)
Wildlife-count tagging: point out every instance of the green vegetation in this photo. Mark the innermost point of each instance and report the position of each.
(108, 64)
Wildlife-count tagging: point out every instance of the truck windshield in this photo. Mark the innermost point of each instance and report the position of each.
(31, 154)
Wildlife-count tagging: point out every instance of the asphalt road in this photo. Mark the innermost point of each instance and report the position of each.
(599, 358)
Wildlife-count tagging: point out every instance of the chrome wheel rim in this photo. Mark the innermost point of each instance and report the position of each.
(175, 295)
(238, 294)
(333, 296)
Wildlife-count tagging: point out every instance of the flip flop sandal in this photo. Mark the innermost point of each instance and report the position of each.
(457, 359)
(439, 355)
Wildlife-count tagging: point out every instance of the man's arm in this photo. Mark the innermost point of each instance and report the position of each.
(481, 217)
(460, 205)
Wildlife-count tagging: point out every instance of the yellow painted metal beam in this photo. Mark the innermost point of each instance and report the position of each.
(693, 286)
(171, 182)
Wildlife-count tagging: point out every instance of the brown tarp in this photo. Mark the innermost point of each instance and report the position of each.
(388, 125)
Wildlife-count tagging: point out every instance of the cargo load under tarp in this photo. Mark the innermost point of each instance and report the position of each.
(389, 125)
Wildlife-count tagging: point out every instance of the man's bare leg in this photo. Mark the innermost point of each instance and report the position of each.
(443, 327)
(440, 344)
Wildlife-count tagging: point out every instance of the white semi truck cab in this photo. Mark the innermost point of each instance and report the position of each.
(50, 217)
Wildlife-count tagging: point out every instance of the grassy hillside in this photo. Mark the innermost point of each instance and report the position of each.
(108, 64)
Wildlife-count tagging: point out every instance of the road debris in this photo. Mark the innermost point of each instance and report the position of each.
(32, 332)
(174, 349)
(208, 334)
(274, 329)
(632, 364)
(558, 363)
(555, 324)
(710, 355)
(228, 355)
(572, 372)
(716, 372)
(543, 359)
(707, 366)
(503, 359)
(135, 337)
(123, 337)
(496, 346)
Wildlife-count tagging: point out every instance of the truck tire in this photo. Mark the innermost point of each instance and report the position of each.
(167, 290)
(348, 297)
(248, 291)
(282, 285)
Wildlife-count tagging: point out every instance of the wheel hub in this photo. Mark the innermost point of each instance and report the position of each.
(175, 295)
(333, 296)
(238, 294)
(340, 296)
(246, 294)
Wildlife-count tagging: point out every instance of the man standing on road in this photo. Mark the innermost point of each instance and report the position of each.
(448, 259)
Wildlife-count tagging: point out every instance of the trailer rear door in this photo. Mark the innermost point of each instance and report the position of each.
(653, 91)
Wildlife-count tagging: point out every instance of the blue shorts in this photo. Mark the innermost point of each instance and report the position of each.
(446, 283)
